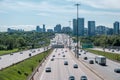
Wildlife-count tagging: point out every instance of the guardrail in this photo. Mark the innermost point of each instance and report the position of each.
(31, 77)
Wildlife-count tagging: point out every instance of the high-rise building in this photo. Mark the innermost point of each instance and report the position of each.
(49, 30)
(44, 29)
(80, 26)
(38, 29)
(100, 30)
(91, 28)
(109, 31)
(116, 27)
(57, 28)
(66, 29)
(74, 26)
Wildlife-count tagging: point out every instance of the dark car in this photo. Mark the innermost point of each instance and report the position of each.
(83, 78)
(65, 63)
(117, 70)
(63, 55)
(79, 53)
(85, 58)
(48, 69)
(30, 54)
(53, 55)
(52, 59)
(91, 62)
(75, 66)
(113, 51)
(71, 78)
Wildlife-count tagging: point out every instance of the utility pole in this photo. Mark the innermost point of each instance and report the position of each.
(69, 34)
(77, 29)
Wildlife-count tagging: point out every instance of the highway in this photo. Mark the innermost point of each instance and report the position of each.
(107, 50)
(59, 71)
(10, 59)
(106, 72)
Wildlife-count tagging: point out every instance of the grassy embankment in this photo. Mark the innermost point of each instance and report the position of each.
(112, 56)
(23, 69)
(3, 52)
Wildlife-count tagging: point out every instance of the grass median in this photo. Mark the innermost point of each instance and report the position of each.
(112, 56)
(23, 69)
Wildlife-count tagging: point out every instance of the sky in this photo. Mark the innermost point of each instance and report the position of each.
(27, 14)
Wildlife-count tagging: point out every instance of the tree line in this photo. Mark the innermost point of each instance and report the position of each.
(23, 40)
(102, 41)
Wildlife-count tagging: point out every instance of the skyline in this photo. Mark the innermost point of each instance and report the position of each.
(27, 14)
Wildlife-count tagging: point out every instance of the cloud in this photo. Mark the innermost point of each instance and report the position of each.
(102, 4)
(3, 12)
(43, 14)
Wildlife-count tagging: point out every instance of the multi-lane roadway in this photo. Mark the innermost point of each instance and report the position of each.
(107, 50)
(59, 71)
(10, 59)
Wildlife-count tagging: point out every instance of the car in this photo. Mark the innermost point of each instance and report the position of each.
(53, 55)
(112, 50)
(63, 55)
(75, 66)
(117, 70)
(48, 69)
(83, 78)
(65, 62)
(30, 54)
(79, 53)
(38, 49)
(91, 61)
(52, 59)
(71, 78)
(11, 53)
(85, 58)
(84, 52)
(80, 50)
(21, 52)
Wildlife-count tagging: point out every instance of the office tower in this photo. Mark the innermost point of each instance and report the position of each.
(38, 29)
(116, 27)
(109, 31)
(49, 30)
(57, 28)
(74, 26)
(66, 29)
(100, 30)
(44, 29)
(80, 26)
(91, 28)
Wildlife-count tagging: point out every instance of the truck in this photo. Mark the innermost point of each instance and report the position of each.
(100, 60)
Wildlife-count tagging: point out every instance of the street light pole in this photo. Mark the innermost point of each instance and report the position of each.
(69, 33)
(77, 28)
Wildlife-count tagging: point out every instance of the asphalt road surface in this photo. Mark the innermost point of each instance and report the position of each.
(107, 50)
(106, 72)
(10, 59)
(59, 71)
